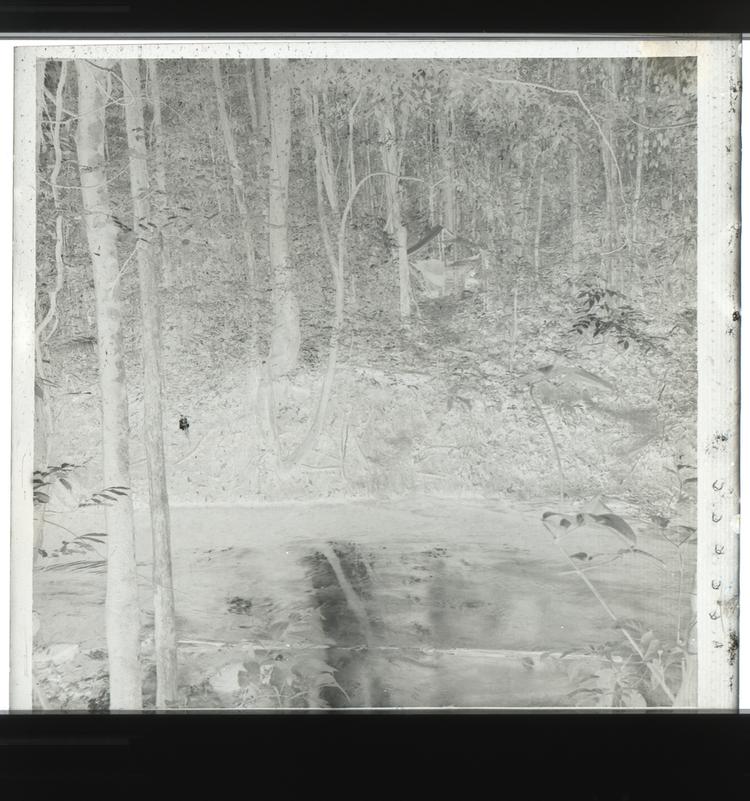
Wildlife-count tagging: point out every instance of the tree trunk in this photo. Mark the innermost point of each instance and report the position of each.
(322, 176)
(209, 139)
(539, 217)
(153, 430)
(251, 95)
(517, 205)
(160, 167)
(611, 244)
(448, 187)
(368, 159)
(640, 140)
(285, 335)
(350, 145)
(238, 183)
(122, 613)
(323, 156)
(394, 227)
(261, 96)
(457, 210)
(575, 199)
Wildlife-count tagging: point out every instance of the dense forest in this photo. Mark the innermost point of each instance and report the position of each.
(269, 283)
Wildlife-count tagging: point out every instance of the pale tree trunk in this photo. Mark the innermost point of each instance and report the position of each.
(261, 138)
(153, 431)
(611, 244)
(324, 179)
(251, 95)
(160, 167)
(368, 159)
(457, 210)
(122, 613)
(539, 217)
(639, 146)
(350, 145)
(238, 182)
(517, 205)
(323, 156)
(540, 194)
(285, 335)
(261, 96)
(448, 188)
(351, 166)
(216, 183)
(394, 227)
(575, 198)
(526, 206)
(256, 97)
(325, 170)
(636, 272)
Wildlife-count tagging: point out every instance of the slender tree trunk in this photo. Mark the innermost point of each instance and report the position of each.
(285, 335)
(238, 182)
(448, 187)
(323, 177)
(209, 139)
(160, 168)
(122, 611)
(252, 107)
(394, 227)
(575, 199)
(514, 331)
(323, 155)
(153, 429)
(525, 227)
(256, 291)
(539, 217)
(518, 209)
(458, 220)
(350, 145)
(261, 96)
(612, 236)
(160, 160)
(368, 159)
(640, 140)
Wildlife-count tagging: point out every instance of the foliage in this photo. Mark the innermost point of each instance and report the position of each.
(640, 668)
(80, 544)
(47, 478)
(72, 679)
(620, 678)
(601, 314)
(62, 474)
